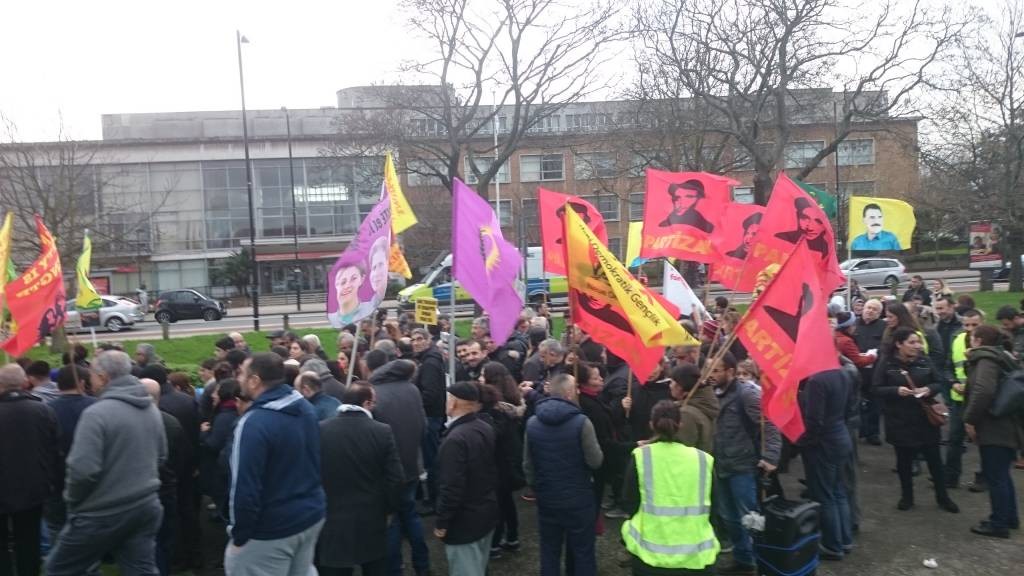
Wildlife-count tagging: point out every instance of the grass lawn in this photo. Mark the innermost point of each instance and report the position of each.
(989, 302)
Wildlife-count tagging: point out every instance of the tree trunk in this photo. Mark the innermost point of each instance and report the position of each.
(59, 341)
(762, 185)
(1016, 274)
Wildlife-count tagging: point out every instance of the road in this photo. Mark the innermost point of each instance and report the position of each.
(312, 316)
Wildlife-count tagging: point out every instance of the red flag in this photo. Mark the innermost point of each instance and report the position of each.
(36, 298)
(552, 205)
(787, 333)
(681, 212)
(793, 215)
(733, 240)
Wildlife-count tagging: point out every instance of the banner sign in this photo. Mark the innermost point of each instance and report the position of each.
(985, 239)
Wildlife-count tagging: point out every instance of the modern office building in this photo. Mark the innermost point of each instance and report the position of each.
(169, 189)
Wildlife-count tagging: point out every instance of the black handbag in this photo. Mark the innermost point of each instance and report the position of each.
(1009, 398)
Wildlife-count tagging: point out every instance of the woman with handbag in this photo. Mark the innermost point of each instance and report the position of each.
(998, 438)
(907, 386)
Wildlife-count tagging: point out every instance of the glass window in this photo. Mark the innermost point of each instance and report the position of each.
(483, 163)
(800, 154)
(587, 122)
(590, 165)
(530, 216)
(505, 218)
(615, 247)
(607, 205)
(856, 152)
(421, 173)
(847, 189)
(546, 124)
(636, 207)
(743, 195)
(541, 167)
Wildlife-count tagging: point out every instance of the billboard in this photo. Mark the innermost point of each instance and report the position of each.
(985, 244)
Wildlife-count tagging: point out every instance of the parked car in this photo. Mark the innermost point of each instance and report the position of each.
(116, 314)
(1004, 272)
(873, 272)
(175, 305)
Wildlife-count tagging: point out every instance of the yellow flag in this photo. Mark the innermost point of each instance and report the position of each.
(396, 261)
(5, 251)
(595, 271)
(880, 224)
(402, 216)
(634, 238)
(87, 298)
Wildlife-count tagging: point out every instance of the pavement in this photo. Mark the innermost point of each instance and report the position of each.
(890, 542)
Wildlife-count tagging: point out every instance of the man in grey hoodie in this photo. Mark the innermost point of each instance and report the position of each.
(112, 480)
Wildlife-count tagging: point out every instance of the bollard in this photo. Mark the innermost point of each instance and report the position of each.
(166, 329)
(285, 321)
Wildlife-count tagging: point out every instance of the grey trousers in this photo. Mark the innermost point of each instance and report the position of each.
(130, 535)
(291, 556)
(469, 559)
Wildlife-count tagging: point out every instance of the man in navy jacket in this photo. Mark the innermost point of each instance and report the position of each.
(277, 503)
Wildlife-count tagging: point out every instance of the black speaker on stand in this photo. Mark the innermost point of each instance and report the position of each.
(788, 546)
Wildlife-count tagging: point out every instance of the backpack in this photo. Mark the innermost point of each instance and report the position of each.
(1009, 400)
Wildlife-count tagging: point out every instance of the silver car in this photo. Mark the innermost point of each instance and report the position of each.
(871, 272)
(115, 315)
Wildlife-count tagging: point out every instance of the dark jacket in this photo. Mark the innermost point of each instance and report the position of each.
(637, 423)
(400, 406)
(508, 445)
(987, 366)
(737, 432)
(947, 331)
(601, 417)
(905, 422)
(561, 454)
(29, 452)
(172, 469)
(185, 410)
(324, 405)
(924, 293)
(68, 408)
(869, 336)
(211, 444)
(697, 419)
(533, 369)
(467, 503)
(331, 386)
(431, 380)
(363, 479)
(275, 468)
(824, 399)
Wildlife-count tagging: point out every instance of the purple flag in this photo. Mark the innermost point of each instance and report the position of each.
(483, 262)
(359, 278)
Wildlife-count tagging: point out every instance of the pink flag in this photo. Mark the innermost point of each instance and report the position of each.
(483, 262)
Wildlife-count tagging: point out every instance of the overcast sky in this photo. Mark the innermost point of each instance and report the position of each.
(84, 59)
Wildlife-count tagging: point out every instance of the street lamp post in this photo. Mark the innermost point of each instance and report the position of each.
(239, 40)
(295, 226)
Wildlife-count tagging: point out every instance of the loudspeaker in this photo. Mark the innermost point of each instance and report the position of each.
(789, 544)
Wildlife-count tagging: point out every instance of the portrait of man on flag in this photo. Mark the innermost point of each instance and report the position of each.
(878, 224)
(681, 212)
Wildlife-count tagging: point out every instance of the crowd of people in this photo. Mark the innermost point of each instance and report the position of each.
(337, 462)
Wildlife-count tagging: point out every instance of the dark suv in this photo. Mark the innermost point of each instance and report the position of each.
(177, 305)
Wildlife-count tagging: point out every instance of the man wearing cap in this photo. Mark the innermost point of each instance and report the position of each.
(467, 503)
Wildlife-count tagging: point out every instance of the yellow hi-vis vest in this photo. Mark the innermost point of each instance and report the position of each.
(672, 528)
(959, 357)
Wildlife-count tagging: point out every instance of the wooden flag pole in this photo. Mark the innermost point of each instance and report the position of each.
(629, 389)
(352, 362)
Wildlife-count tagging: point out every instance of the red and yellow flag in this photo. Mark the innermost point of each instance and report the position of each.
(786, 332)
(36, 298)
(613, 307)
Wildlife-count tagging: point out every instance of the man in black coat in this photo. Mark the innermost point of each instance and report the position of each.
(171, 471)
(185, 410)
(30, 470)
(431, 380)
(868, 335)
(467, 507)
(363, 480)
(400, 406)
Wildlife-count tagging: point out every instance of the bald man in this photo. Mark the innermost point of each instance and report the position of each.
(170, 471)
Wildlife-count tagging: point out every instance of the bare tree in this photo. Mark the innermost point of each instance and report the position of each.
(513, 63)
(73, 186)
(752, 65)
(976, 149)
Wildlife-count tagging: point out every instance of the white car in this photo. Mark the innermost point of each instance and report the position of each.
(871, 272)
(116, 314)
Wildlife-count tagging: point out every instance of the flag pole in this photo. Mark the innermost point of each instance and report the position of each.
(629, 388)
(451, 335)
(849, 280)
(352, 363)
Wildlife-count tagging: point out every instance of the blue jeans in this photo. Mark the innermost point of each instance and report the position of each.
(734, 497)
(996, 462)
(823, 465)
(572, 530)
(955, 448)
(407, 523)
(429, 446)
(130, 535)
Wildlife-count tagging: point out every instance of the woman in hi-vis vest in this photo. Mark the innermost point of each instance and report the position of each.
(667, 492)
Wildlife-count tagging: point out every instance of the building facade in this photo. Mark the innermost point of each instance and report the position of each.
(170, 194)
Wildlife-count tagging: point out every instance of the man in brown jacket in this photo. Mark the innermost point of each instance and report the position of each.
(699, 412)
